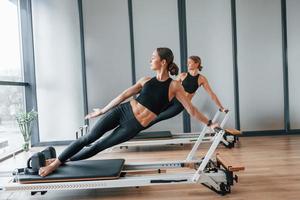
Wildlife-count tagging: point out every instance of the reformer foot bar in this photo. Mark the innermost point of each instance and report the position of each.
(229, 139)
(91, 174)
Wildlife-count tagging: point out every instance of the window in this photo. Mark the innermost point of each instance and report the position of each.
(12, 87)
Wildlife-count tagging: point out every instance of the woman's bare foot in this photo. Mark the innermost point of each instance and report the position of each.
(44, 171)
(49, 161)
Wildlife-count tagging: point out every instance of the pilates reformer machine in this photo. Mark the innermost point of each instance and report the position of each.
(217, 175)
(229, 139)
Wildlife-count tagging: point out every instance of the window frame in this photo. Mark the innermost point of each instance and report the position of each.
(27, 66)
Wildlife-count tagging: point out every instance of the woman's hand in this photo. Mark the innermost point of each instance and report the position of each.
(214, 125)
(223, 110)
(97, 112)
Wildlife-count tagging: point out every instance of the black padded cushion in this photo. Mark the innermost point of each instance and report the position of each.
(153, 135)
(80, 170)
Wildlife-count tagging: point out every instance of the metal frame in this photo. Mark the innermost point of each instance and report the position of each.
(131, 33)
(192, 154)
(119, 183)
(285, 67)
(210, 178)
(235, 65)
(83, 61)
(183, 54)
(11, 83)
(29, 63)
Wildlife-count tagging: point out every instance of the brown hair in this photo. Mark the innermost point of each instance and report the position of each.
(167, 54)
(197, 59)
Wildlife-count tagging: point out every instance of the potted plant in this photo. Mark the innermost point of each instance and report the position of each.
(25, 120)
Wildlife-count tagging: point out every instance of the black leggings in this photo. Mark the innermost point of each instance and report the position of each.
(173, 109)
(121, 118)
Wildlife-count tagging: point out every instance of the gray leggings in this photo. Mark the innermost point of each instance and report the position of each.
(126, 127)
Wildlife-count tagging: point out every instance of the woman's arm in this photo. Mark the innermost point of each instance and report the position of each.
(187, 104)
(120, 98)
(126, 94)
(208, 89)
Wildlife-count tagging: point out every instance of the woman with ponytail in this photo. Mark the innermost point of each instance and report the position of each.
(190, 81)
(129, 118)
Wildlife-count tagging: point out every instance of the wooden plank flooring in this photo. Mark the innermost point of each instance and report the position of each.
(272, 172)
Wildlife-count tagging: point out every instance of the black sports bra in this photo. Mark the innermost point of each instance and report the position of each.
(190, 83)
(155, 95)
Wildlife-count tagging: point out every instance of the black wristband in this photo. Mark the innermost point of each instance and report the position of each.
(209, 122)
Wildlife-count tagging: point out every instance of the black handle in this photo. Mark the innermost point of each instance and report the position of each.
(225, 111)
(28, 163)
(217, 129)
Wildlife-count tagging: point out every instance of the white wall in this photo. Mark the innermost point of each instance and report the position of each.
(209, 36)
(107, 48)
(259, 42)
(58, 68)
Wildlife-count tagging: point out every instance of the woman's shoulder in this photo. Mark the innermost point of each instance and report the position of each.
(202, 79)
(143, 80)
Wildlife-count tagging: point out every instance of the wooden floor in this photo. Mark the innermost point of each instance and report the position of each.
(272, 172)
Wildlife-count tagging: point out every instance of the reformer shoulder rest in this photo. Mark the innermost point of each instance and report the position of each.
(229, 163)
(233, 131)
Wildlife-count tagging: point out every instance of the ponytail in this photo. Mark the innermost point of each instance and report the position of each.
(173, 69)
